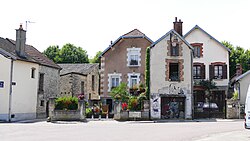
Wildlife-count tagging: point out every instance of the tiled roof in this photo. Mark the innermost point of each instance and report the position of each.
(132, 34)
(197, 27)
(77, 68)
(32, 54)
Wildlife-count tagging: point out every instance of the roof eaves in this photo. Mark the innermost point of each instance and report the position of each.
(7, 54)
(242, 76)
(172, 31)
(197, 27)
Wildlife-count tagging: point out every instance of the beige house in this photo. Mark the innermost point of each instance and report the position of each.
(241, 84)
(123, 61)
(171, 81)
(20, 79)
(76, 79)
(211, 62)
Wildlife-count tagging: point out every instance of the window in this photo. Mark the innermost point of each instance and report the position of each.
(175, 50)
(218, 72)
(134, 60)
(41, 81)
(174, 71)
(197, 71)
(197, 51)
(133, 57)
(82, 87)
(93, 82)
(114, 80)
(33, 72)
(133, 80)
(42, 103)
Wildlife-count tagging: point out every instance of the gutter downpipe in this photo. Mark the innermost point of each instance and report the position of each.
(10, 94)
(192, 84)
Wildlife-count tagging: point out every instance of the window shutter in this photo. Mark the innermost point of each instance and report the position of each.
(203, 71)
(211, 72)
(224, 72)
(177, 50)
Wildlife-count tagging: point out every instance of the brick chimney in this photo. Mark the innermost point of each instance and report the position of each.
(20, 41)
(178, 26)
(238, 69)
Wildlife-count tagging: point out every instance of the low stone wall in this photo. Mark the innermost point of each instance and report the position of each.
(232, 109)
(67, 115)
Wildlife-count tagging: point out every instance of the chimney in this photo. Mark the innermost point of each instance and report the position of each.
(238, 69)
(178, 26)
(20, 42)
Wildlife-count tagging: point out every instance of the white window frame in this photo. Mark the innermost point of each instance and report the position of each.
(136, 52)
(130, 80)
(113, 75)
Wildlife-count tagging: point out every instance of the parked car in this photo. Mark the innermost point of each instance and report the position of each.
(210, 106)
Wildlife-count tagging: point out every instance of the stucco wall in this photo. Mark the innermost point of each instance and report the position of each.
(244, 83)
(158, 82)
(24, 98)
(115, 60)
(212, 52)
(50, 88)
(4, 92)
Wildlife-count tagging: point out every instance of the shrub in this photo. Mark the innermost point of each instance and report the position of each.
(66, 103)
(133, 103)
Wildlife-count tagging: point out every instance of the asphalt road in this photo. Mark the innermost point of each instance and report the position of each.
(125, 131)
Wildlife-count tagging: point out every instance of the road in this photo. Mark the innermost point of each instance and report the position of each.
(125, 131)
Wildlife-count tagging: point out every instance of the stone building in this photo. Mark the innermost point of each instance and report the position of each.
(78, 79)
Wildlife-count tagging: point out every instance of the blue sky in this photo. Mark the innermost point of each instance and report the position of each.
(93, 24)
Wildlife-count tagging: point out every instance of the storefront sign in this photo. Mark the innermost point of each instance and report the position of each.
(1, 84)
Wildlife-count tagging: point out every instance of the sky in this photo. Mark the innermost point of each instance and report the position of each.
(92, 24)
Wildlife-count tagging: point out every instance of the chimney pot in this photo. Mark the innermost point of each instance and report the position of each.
(178, 26)
(20, 41)
(21, 26)
(175, 19)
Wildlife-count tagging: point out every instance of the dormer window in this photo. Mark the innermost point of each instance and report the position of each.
(134, 57)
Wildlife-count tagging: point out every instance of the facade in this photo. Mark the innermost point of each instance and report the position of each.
(211, 62)
(76, 79)
(19, 78)
(241, 84)
(171, 76)
(123, 61)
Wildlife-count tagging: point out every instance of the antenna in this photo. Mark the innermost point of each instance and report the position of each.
(26, 26)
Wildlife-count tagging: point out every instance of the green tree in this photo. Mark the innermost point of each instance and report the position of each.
(72, 54)
(237, 56)
(96, 59)
(120, 92)
(52, 52)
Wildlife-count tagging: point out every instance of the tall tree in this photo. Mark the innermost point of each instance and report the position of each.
(52, 52)
(96, 59)
(72, 54)
(237, 56)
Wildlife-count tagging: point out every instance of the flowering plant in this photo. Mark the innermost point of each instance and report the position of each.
(124, 106)
(81, 96)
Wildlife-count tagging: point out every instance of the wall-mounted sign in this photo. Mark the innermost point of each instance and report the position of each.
(1, 84)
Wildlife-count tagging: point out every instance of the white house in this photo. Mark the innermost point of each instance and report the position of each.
(171, 76)
(211, 62)
(20, 78)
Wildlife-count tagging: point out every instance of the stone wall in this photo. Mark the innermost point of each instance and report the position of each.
(50, 89)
